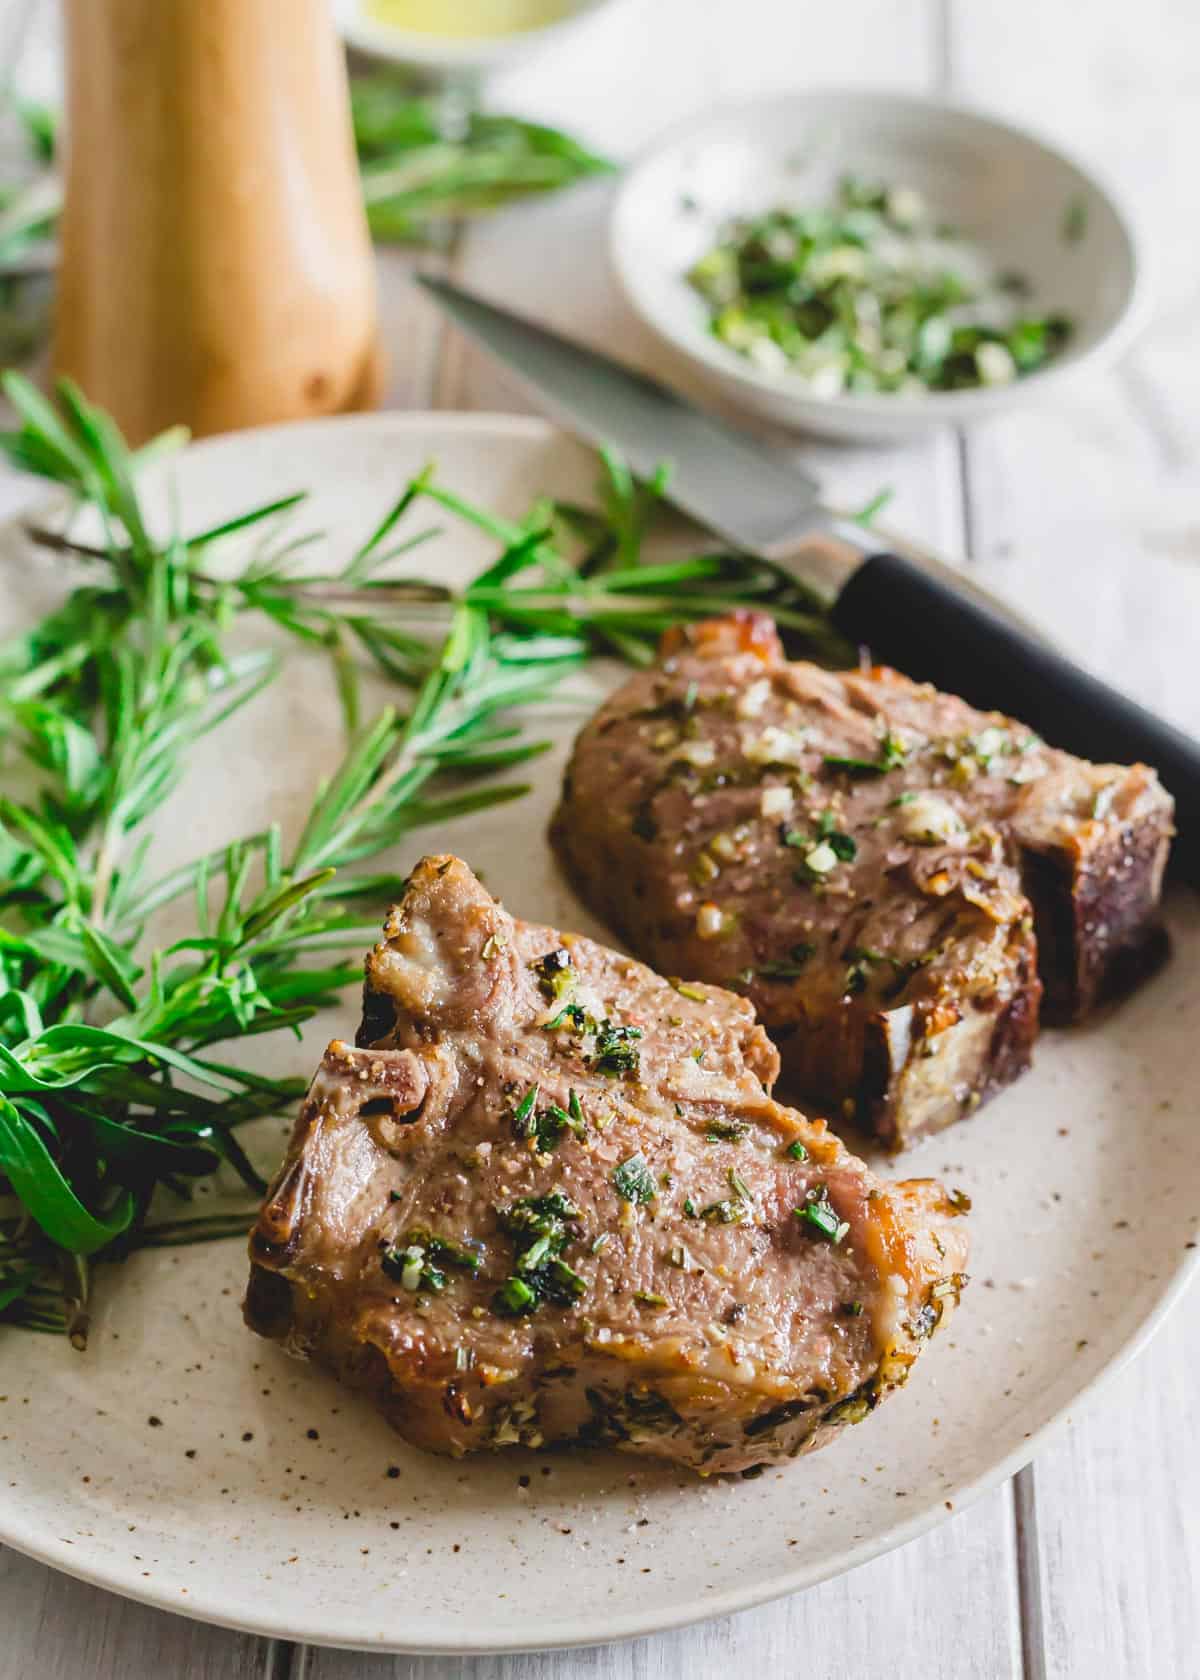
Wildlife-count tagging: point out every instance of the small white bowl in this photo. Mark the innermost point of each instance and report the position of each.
(451, 55)
(1011, 193)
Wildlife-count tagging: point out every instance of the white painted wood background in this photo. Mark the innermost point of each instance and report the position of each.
(1088, 512)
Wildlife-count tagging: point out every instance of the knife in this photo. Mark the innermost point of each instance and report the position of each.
(910, 609)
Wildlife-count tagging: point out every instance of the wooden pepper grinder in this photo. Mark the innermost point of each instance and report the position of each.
(216, 269)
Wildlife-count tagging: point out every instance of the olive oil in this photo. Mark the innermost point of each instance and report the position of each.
(467, 19)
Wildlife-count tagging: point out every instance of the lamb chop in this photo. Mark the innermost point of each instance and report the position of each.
(899, 882)
(549, 1198)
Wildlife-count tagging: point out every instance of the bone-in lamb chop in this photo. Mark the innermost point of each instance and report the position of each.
(896, 880)
(549, 1198)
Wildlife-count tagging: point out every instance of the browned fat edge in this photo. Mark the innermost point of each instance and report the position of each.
(1099, 932)
(277, 1234)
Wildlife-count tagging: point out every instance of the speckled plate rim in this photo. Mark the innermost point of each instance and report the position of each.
(687, 1614)
(211, 1607)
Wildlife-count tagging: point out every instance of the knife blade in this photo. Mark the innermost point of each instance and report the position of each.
(911, 610)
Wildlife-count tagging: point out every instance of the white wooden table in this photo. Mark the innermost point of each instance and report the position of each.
(1088, 513)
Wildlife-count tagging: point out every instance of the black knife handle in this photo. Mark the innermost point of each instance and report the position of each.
(929, 631)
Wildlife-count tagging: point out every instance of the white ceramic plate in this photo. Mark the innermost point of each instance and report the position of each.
(1002, 187)
(262, 1496)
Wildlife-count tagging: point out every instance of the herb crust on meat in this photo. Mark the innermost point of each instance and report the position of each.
(900, 883)
(549, 1198)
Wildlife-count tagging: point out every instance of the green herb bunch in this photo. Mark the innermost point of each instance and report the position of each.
(113, 1091)
(423, 162)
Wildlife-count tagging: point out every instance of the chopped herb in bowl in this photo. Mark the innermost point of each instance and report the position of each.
(871, 293)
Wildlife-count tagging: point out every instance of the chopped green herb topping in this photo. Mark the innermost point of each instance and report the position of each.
(412, 1268)
(871, 291)
(573, 1015)
(616, 1050)
(547, 1125)
(693, 992)
(818, 862)
(493, 945)
(725, 1212)
(788, 969)
(534, 1254)
(991, 743)
(739, 1187)
(862, 957)
(843, 844)
(466, 1256)
(633, 1181)
(727, 1131)
(797, 1151)
(565, 1285)
(531, 1217)
(514, 1298)
(892, 754)
(541, 1227)
(959, 1201)
(892, 751)
(524, 1108)
(822, 851)
(818, 1213)
(615, 1047)
(649, 1298)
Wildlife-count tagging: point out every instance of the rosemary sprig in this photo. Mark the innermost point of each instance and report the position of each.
(422, 161)
(110, 1088)
(569, 581)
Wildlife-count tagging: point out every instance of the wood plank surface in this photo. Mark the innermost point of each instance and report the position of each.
(902, 1616)
(53, 1628)
(1089, 514)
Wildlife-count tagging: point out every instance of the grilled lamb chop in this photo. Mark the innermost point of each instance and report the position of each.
(549, 1199)
(880, 868)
